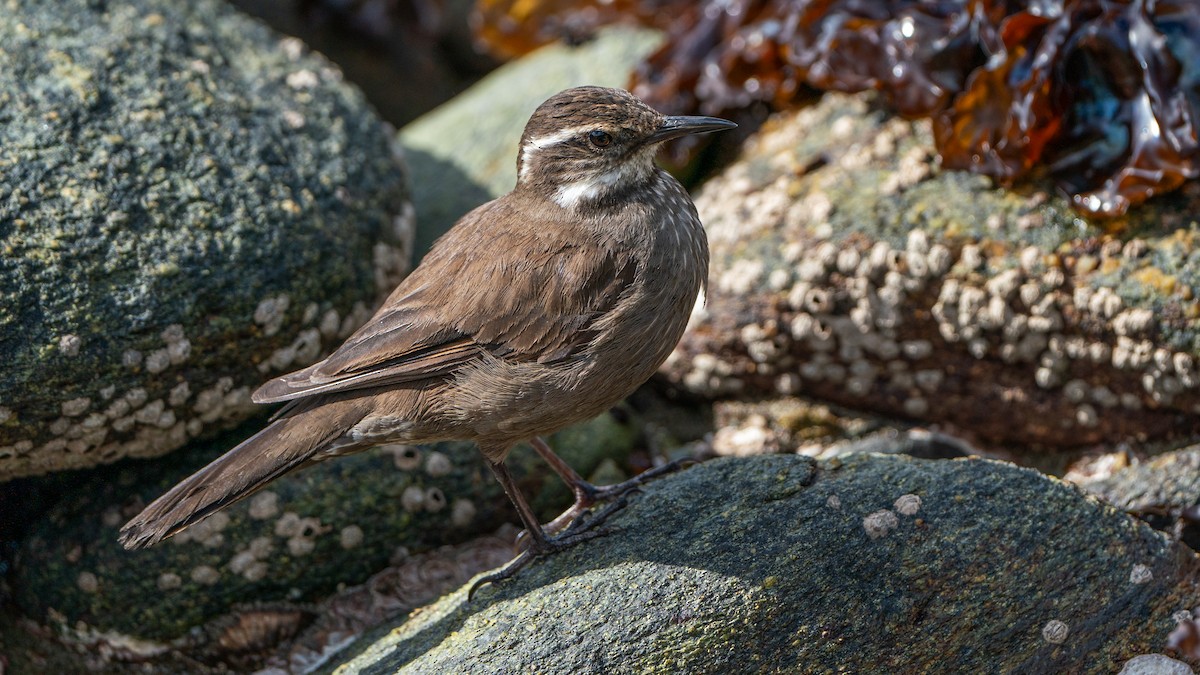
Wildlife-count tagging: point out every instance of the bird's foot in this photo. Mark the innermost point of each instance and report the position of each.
(577, 524)
(537, 547)
(587, 496)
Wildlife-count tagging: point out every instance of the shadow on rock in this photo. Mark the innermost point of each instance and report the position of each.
(442, 193)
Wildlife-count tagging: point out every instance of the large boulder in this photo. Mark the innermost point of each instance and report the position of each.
(847, 267)
(785, 564)
(189, 204)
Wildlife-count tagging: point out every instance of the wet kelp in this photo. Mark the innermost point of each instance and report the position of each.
(1104, 95)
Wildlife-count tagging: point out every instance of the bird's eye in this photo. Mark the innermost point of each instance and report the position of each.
(600, 139)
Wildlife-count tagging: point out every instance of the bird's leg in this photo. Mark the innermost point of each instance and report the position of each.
(588, 495)
(575, 524)
(538, 544)
(537, 537)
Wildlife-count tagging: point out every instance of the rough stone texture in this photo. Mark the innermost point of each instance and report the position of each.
(1168, 481)
(188, 204)
(783, 564)
(296, 540)
(406, 58)
(1155, 664)
(847, 267)
(272, 638)
(1163, 490)
(403, 587)
(464, 153)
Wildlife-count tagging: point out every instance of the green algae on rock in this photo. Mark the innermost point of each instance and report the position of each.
(272, 637)
(189, 204)
(847, 267)
(783, 564)
(295, 541)
(464, 153)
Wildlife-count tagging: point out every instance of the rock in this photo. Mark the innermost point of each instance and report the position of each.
(191, 204)
(1168, 481)
(848, 268)
(1155, 664)
(787, 564)
(790, 424)
(1164, 491)
(412, 582)
(406, 59)
(464, 153)
(295, 541)
(279, 637)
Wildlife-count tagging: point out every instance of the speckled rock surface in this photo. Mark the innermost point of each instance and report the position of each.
(275, 638)
(1163, 490)
(1168, 481)
(847, 267)
(295, 541)
(464, 153)
(781, 563)
(189, 204)
(794, 425)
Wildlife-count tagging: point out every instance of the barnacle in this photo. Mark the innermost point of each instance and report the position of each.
(1103, 93)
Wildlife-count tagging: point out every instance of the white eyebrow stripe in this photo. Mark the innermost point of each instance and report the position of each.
(541, 142)
(557, 137)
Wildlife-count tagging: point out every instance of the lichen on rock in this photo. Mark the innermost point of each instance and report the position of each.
(189, 204)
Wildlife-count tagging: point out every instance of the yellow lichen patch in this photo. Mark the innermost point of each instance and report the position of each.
(1085, 264)
(1153, 277)
(1184, 238)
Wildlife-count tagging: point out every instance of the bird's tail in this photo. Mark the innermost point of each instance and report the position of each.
(283, 445)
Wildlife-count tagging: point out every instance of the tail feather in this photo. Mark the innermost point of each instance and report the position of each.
(283, 445)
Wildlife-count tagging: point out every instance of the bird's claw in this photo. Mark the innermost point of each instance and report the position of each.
(561, 542)
(577, 523)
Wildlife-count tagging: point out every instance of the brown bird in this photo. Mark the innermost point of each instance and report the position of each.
(535, 311)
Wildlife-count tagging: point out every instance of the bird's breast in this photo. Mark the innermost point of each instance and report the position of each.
(667, 244)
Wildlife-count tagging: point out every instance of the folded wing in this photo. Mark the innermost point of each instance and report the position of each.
(531, 295)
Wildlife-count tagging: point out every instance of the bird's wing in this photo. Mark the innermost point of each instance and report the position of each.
(524, 293)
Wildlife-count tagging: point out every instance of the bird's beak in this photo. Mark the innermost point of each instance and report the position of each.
(683, 125)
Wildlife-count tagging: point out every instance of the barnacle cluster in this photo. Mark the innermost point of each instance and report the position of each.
(929, 300)
(1105, 94)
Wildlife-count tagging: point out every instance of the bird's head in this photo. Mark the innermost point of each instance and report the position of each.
(590, 144)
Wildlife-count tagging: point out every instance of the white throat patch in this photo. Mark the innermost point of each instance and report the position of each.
(569, 195)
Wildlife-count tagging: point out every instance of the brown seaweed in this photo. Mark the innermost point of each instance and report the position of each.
(1104, 94)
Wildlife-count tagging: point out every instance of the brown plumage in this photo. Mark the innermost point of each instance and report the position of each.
(535, 311)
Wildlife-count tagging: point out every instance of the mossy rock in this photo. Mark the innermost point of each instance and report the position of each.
(296, 541)
(189, 204)
(785, 564)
